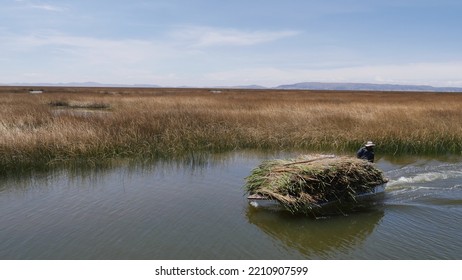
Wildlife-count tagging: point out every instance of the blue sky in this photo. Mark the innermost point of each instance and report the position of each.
(229, 43)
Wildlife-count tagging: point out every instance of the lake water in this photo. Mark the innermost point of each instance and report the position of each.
(198, 210)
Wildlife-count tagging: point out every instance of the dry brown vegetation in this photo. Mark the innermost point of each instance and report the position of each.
(305, 183)
(94, 124)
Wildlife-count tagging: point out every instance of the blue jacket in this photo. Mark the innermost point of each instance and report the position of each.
(366, 154)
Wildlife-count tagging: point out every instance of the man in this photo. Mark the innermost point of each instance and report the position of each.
(366, 152)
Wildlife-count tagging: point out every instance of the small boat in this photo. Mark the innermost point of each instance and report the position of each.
(315, 183)
(361, 199)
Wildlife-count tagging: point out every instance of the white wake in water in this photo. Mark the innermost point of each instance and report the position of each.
(428, 185)
(424, 178)
(420, 176)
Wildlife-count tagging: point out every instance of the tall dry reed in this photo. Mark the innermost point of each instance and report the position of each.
(151, 123)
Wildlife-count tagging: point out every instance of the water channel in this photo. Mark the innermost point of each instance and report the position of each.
(198, 210)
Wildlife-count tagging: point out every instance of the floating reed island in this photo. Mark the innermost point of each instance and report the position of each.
(306, 183)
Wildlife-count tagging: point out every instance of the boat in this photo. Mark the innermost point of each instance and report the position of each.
(315, 183)
(326, 207)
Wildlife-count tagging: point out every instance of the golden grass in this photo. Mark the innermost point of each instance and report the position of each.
(151, 123)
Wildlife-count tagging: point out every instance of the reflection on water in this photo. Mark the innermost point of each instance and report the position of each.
(316, 238)
(44, 175)
(195, 208)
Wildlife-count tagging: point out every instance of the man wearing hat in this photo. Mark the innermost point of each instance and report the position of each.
(367, 152)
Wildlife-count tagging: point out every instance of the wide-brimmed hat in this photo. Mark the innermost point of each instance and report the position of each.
(369, 144)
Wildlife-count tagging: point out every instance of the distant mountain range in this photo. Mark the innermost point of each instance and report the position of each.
(296, 86)
(366, 86)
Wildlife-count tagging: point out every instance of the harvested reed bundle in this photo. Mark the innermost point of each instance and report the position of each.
(306, 182)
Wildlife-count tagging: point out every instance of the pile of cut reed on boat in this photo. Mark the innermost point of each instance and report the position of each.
(306, 182)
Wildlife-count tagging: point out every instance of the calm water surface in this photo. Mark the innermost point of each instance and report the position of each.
(198, 210)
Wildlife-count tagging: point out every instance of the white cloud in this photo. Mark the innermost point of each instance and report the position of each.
(40, 6)
(172, 63)
(88, 48)
(65, 58)
(207, 36)
(47, 7)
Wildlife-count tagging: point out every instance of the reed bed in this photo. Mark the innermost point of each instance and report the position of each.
(94, 124)
(305, 183)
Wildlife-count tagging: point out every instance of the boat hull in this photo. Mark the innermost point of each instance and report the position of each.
(361, 199)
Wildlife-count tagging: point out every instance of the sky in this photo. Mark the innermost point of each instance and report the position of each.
(209, 43)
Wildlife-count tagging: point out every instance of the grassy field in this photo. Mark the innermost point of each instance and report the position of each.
(95, 124)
